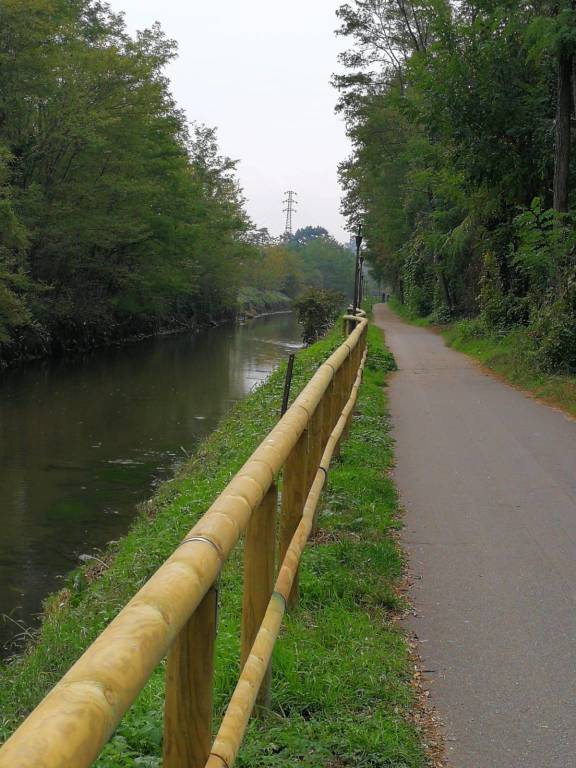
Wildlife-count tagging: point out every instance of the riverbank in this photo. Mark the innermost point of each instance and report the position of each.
(509, 355)
(44, 345)
(84, 439)
(342, 689)
(252, 303)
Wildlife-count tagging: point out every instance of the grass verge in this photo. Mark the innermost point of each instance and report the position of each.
(406, 314)
(510, 356)
(342, 691)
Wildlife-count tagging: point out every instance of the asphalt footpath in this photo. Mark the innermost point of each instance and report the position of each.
(487, 476)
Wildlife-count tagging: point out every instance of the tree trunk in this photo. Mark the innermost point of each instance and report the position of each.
(573, 86)
(446, 290)
(562, 143)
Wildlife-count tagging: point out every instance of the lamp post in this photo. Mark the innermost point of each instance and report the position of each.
(359, 261)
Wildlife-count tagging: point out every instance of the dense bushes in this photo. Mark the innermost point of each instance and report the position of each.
(317, 309)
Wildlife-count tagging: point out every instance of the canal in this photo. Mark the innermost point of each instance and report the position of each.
(84, 439)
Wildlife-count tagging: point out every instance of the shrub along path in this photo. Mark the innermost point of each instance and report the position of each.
(487, 478)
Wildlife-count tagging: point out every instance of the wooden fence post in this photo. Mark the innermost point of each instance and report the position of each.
(259, 546)
(315, 444)
(349, 378)
(294, 481)
(358, 356)
(315, 451)
(327, 412)
(189, 678)
(337, 402)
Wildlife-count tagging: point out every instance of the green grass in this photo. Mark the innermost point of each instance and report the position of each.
(341, 692)
(511, 356)
(256, 301)
(406, 314)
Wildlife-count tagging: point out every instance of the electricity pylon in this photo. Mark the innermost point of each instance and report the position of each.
(290, 202)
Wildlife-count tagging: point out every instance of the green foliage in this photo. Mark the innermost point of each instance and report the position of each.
(537, 238)
(513, 355)
(554, 328)
(451, 111)
(115, 216)
(14, 312)
(544, 247)
(327, 265)
(14, 285)
(553, 33)
(493, 303)
(417, 284)
(545, 256)
(441, 312)
(253, 301)
(317, 310)
(402, 311)
(272, 267)
(310, 259)
(305, 235)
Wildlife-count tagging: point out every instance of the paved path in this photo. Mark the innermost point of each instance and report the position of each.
(488, 479)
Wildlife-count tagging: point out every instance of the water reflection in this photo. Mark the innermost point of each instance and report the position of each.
(82, 440)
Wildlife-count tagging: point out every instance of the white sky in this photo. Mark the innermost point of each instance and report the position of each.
(259, 70)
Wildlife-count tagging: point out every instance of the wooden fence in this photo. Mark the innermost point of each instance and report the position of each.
(175, 612)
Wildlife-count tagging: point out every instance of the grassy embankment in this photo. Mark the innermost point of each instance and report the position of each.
(402, 311)
(341, 685)
(510, 355)
(253, 301)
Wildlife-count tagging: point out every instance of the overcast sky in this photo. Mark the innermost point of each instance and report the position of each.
(259, 70)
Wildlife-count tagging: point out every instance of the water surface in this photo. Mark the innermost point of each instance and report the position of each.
(83, 440)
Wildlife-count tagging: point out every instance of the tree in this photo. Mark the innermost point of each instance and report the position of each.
(14, 284)
(123, 218)
(326, 264)
(460, 118)
(304, 235)
(554, 34)
(385, 34)
(317, 309)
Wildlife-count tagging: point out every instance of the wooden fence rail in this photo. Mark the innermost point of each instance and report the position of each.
(175, 612)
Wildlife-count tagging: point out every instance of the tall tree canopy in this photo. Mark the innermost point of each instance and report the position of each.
(311, 258)
(115, 217)
(461, 121)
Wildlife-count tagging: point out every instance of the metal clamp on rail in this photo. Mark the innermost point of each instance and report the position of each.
(190, 539)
